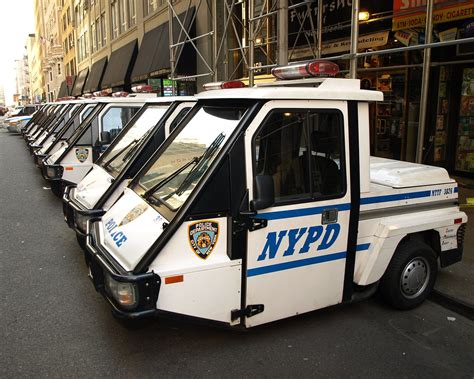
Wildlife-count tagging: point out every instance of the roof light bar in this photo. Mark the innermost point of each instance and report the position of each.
(223, 85)
(315, 69)
(142, 89)
(87, 95)
(120, 94)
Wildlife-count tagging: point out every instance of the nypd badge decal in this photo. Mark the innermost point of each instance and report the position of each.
(203, 237)
(133, 214)
(82, 154)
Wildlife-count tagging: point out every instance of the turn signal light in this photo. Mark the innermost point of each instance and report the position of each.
(315, 69)
(458, 221)
(174, 279)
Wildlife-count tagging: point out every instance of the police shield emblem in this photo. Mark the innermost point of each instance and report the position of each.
(203, 237)
(82, 154)
(133, 214)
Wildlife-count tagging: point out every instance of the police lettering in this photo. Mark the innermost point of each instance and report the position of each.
(118, 237)
(289, 239)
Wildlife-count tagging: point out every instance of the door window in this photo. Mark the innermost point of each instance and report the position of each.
(115, 118)
(302, 151)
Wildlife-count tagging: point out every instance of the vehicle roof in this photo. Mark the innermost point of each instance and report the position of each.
(169, 99)
(127, 99)
(305, 89)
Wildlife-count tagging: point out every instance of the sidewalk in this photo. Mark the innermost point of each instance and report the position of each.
(455, 284)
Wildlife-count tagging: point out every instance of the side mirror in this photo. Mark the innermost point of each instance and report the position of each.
(105, 138)
(264, 192)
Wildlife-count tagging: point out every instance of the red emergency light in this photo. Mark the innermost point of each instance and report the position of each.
(223, 85)
(142, 89)
(315, 69)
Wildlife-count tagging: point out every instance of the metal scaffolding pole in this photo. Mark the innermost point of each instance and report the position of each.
(354, 39)
(172, 52)
(424, 83)
(282, 32)
(320, 29)
(251, 43)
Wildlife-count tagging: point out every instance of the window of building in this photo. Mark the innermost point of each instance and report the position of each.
(302, 151)
(93, 37)
(114, 10)
(59, 68)
(122, 15)
(51, 76)
(132, 13)
(103, 30)
(150, 6)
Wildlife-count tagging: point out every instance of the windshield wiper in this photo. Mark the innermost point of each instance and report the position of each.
(108, 162)
(153, 189)
(199, 161)
(196, 171)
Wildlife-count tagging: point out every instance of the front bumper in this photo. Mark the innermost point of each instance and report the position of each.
(38, 159)
(72, 211)
(101, 264)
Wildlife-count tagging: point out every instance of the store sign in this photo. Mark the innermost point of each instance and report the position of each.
(412, 13)
(337, 14)
(364, 42)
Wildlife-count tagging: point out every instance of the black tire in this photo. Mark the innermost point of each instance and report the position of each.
(410, 276)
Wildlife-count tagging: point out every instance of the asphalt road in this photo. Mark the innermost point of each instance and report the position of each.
(53, 323)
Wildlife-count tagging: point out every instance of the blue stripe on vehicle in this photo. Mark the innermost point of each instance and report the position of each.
(302, 212)
(291, 213)
(364, 246)
(397, 197)
(301, 262)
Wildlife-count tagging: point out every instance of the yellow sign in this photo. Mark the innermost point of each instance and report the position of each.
(417, 20)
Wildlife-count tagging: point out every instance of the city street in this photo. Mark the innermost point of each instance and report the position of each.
(53, 323)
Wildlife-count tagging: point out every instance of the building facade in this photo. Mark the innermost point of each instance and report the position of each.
(23, 80)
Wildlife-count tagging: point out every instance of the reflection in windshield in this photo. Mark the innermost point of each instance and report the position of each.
(179, 168)
(79, 128)
(114, 159)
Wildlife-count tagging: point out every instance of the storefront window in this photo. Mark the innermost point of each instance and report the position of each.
(465, 136)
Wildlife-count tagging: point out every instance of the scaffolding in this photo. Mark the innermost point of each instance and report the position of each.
(249, 37)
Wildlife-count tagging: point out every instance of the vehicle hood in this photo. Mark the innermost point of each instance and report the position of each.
(46, 147)
(91, 188)
(130, 227)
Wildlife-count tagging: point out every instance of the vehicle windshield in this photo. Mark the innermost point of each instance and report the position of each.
(115, 158)
(79, 127)
(176, 172)
(72, 124)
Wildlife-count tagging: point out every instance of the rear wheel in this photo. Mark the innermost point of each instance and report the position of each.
(410, 276)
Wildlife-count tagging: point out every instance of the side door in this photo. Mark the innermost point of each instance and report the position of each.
(296, 263)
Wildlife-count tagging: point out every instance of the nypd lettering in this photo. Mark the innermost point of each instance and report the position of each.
(203, 237)
(117, 236)
(312, 238)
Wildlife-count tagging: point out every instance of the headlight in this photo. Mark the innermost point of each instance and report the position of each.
(123, 292)
(54, 172)
(81, 221)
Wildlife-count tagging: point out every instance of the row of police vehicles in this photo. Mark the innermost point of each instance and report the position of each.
(245, 205)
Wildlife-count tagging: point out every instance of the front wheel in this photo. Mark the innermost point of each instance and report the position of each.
(410, 276)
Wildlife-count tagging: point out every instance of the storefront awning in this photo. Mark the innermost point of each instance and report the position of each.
(80, 81)
(65, 89)
(120, 66)
(95, 77)
(152, 44)
(186, 61)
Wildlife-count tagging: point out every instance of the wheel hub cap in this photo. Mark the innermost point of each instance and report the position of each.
(415, 277)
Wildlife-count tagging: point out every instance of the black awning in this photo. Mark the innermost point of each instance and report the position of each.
(151, 43)
(63, 90)
(80, 81)
(69, 88)
(95, 77)
(120, 66)
(154, 56)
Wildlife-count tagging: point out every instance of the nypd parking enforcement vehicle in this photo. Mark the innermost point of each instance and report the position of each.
(58, 138)
(38, 118)
(71, 162)
(120, 162)
(61, 111)
(264, 204)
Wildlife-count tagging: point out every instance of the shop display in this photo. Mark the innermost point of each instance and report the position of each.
(441, 136)
(465, 142)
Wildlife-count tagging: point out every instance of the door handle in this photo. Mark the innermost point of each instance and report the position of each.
(329, 216)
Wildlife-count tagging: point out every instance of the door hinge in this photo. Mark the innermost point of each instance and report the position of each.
(249, 311)
(249, 223)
